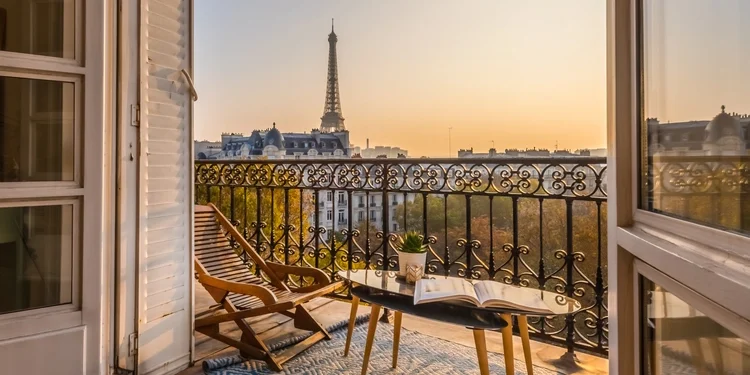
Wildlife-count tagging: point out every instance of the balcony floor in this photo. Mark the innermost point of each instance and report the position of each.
(329, 311)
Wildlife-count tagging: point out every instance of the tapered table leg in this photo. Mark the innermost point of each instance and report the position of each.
(523, 328)
(715, 346)
(481, 345)
(699, 359)
(396, 336)
(350, 329)
(508, 344)
(370, 336)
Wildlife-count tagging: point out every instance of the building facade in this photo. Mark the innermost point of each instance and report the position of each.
(333, 210)
(726, 134)
(390, 152)
(527, 153)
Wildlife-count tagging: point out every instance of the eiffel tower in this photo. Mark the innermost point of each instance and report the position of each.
(332, 120)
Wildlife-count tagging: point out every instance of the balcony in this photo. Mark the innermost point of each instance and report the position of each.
(536, 222)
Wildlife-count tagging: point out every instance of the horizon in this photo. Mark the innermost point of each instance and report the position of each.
(513, 75)
(397, 88)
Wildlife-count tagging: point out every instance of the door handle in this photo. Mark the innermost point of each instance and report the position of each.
(190, 84)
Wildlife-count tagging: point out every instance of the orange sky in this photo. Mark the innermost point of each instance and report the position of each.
(521, 73)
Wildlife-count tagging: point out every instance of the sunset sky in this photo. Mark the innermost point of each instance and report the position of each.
(519, 73)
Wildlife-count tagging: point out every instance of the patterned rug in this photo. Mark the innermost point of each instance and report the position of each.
(418, 354)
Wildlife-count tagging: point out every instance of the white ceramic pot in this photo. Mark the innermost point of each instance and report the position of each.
(405, 259)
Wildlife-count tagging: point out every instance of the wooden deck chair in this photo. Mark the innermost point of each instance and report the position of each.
(242, 294)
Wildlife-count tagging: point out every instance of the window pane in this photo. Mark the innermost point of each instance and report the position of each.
(678, 339)
(36, 257)
(36, 130)
(39, 27)
(695, 136)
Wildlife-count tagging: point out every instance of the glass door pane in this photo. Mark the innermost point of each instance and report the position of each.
(695, 130)
(37, 140)
(36, 257)
(39, 27)
(679, 339)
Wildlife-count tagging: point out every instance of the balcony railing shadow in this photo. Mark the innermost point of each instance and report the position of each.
(536, 222)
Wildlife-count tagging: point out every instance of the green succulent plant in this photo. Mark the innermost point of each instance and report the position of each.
(412, 243)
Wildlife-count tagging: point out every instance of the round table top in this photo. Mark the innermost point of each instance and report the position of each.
(388, 282)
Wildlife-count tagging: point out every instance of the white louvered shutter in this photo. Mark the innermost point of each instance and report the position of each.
(165, 203)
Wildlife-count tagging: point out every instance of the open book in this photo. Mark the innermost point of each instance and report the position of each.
(480, 293)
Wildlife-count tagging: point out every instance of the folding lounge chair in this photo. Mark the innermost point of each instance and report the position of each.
(242, 294)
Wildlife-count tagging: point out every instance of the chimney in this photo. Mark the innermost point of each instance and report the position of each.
(368, 143)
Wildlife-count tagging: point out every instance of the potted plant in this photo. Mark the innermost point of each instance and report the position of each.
(411, 251)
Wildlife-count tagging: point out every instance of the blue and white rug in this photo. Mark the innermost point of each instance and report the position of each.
(418, 354)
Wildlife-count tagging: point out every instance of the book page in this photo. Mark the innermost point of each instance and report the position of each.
(453, 288)
(499, 295)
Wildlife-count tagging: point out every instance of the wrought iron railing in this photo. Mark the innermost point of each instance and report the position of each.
(537, 222)
(710, 190)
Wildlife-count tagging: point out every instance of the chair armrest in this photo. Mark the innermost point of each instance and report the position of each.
(259, 291)
(282, 270)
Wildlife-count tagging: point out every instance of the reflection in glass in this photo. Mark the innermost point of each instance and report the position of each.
(36, 130)
(36, 257)
(696, 128)
(678, 339)
(39, 27)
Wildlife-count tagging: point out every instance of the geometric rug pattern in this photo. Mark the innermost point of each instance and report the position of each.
(418, 354)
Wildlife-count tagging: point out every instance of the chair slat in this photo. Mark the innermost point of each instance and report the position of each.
(232, 275)
(223, 264)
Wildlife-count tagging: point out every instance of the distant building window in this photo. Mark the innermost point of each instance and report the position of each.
(341, 197)
(341, 216)
(329, 196)
(329, 215)
(667, 137)
(361, 216)
(361, 200)
(685, 137)
(395, 227)
(373, 214)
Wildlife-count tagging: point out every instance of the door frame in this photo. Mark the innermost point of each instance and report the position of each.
(695, 257)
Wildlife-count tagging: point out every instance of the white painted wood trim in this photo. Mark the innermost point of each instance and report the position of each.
(26, 62)
(96, 179)
(733, 244)
(716, 277)
(39, 321)
(126, 300)
(621, 195)
(191, 176)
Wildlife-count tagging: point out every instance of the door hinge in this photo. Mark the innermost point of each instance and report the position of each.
(132, 344)
(135, 115)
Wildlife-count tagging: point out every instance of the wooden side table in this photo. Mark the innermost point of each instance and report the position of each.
(478, 320)
(383, 289)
